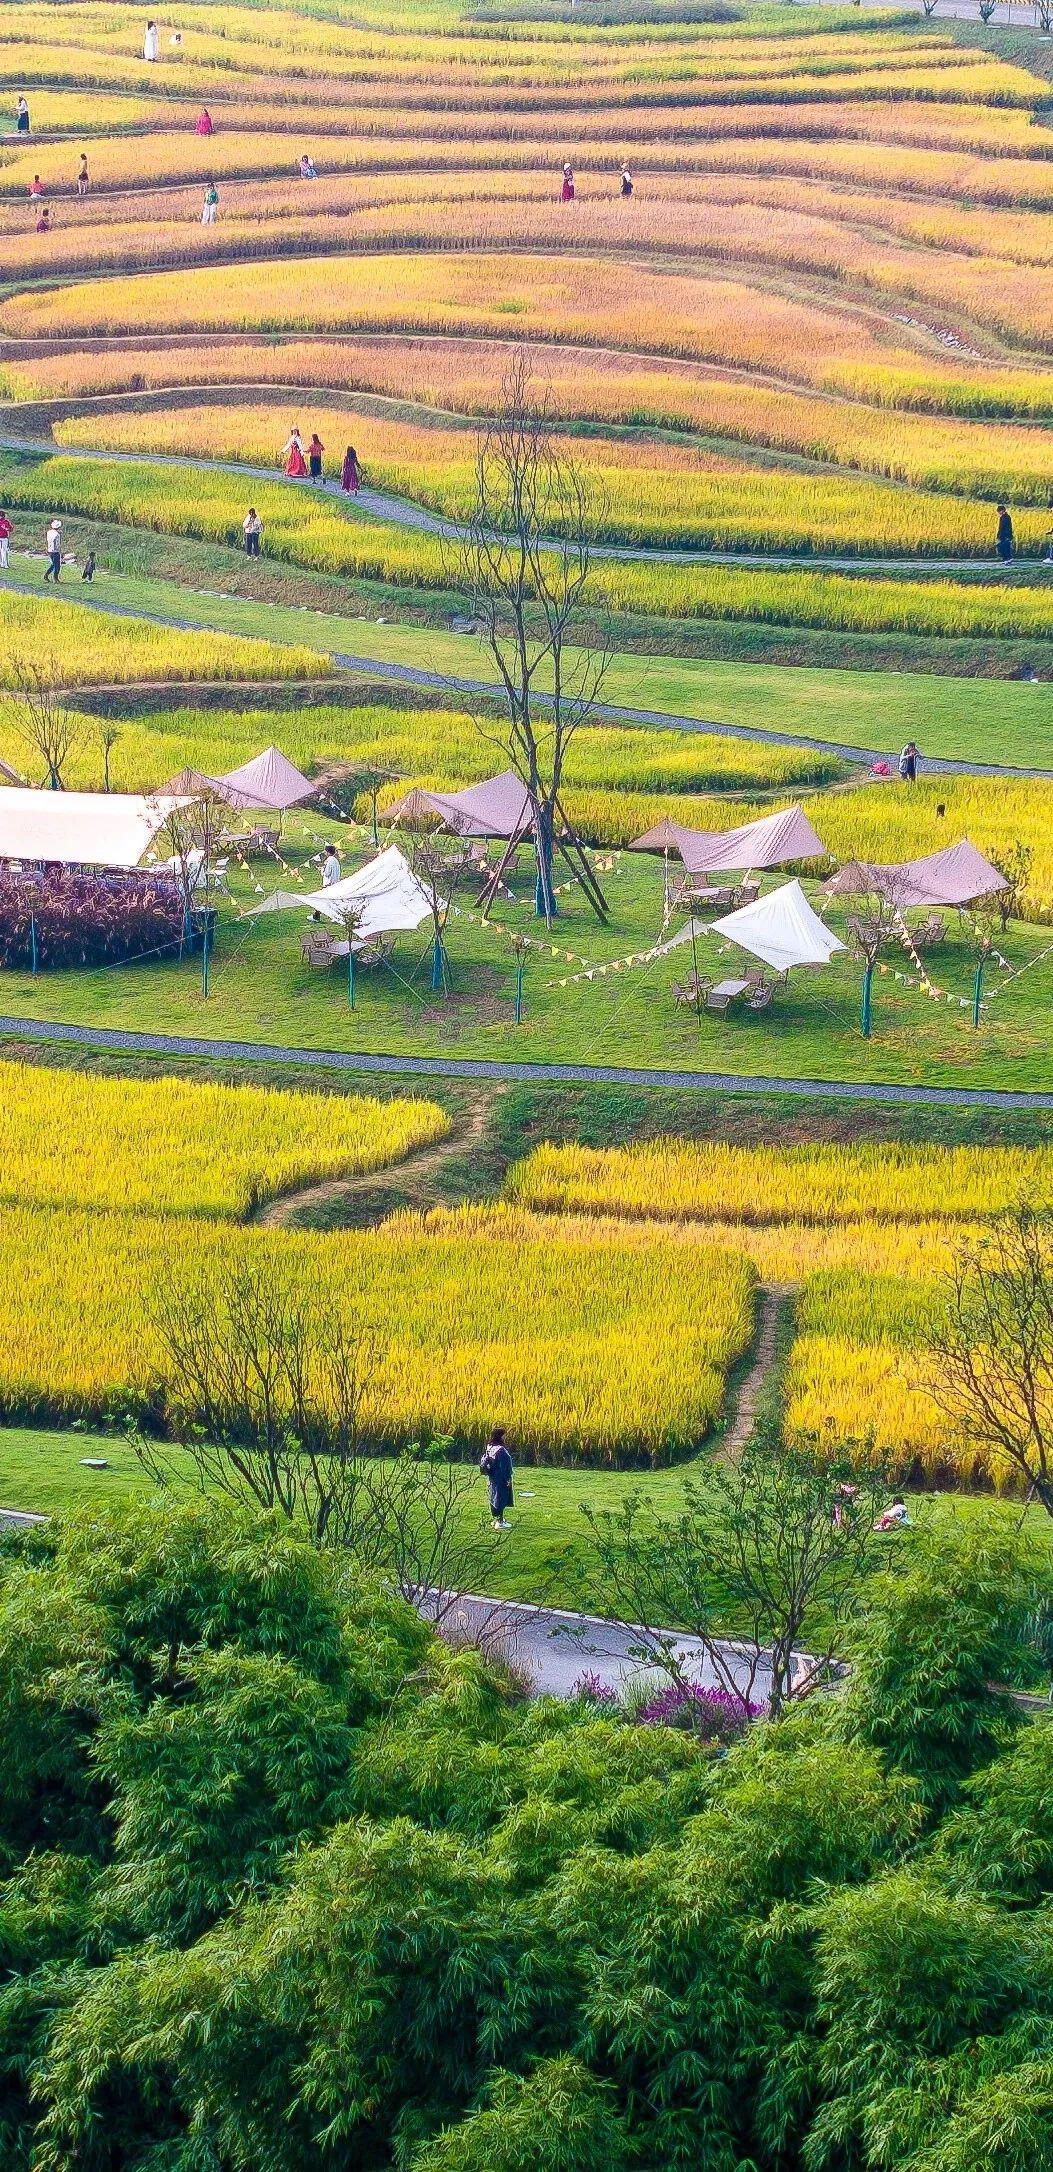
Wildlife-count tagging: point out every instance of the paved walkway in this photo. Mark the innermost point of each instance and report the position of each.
(602, 712)
(556, 1648)
(584, 1074)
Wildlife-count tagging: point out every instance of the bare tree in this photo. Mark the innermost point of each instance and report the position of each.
(774, 1542)
(279, 1402)
(988, 1360)
(871, 927)
(439, 867)
(191, 835)
(523, 563)
(43, 721)
(107, 732)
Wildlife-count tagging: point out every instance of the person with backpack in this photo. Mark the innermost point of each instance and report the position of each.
(908, 763)
(495, 1464)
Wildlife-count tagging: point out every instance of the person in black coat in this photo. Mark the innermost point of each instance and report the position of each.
(1004, 541)
(496, 1467)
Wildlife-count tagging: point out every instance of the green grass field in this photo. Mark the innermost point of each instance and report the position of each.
(978, 720)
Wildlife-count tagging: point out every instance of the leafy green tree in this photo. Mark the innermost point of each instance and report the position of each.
(560, 2118)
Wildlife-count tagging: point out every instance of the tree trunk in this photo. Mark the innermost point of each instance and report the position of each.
(545, 906)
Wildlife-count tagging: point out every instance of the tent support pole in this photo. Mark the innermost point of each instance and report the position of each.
(350, 978)
(978, 989)
(864, 1010)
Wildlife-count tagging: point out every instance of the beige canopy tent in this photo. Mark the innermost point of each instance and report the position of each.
(956, 876)
(774, 840)
(267, 785)
(80, 829)
(383, 898)
(500, 807)
(781, 929)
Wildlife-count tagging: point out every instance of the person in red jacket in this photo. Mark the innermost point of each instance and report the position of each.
(203, 124)
(6, 532)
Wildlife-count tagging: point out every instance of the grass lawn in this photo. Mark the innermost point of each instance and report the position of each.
(969, 719)
(261, 990)
(547, 1560)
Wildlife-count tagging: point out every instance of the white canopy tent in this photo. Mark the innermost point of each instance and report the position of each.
(385, 897)
(80, 829)
(781, 929)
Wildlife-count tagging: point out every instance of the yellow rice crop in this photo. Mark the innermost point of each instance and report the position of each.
(678, 1179)
(75, 646)
(169, 1147)
(643, 491)
(622, 1360)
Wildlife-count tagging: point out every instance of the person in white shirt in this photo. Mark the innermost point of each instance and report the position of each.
(54, 549)
(151, 42)
(330, 867)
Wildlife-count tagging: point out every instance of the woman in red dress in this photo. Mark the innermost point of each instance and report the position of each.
(349, 472)
(292, 454)
(567, 191)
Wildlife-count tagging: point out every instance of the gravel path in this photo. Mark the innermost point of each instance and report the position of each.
(262, 1052)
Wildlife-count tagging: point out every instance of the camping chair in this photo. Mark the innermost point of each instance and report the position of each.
(718, 1001)
(761, 996)
(688, 994)
(258, 841)
(318, 949)
(376, 952)
(930, 931)
(749, 892)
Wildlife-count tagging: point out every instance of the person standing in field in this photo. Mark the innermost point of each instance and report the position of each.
(908, 763)
(330, 867)
(83, 176)
(87, 571)
(627, 182)
(22, 117)
(151, 42)
(6, 532)
(208, 208)
(292, 454)
(566, 193)
(54, 551)
(252, 529)
(1005, 542)
(349, 472)
(203, 124)
(496, 1467)
(314, 457)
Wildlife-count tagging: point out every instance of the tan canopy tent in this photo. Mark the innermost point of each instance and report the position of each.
(80, 829)
(267, 785)
(500, 807)
(956, 876)
(774, 840)
(383, 897)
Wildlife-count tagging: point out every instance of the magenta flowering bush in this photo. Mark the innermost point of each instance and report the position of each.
(590, 1689)
(717, 1713)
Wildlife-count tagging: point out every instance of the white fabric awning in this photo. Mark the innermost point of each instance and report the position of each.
(780, 928)
(80, 829)
(386, 896)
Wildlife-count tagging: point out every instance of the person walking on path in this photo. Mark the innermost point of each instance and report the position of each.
(1005, 543)
(252, 529)
(566, 193)
(83, 176)
(203, 124)
(908, 763)
(87, 571)
(292, 454)
(349, 473)
(6, 532)
(54, 550)
(627, 182)
(314, 457)
(496, 1467)
(151, 42)
(208, 208)
(22, 117)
